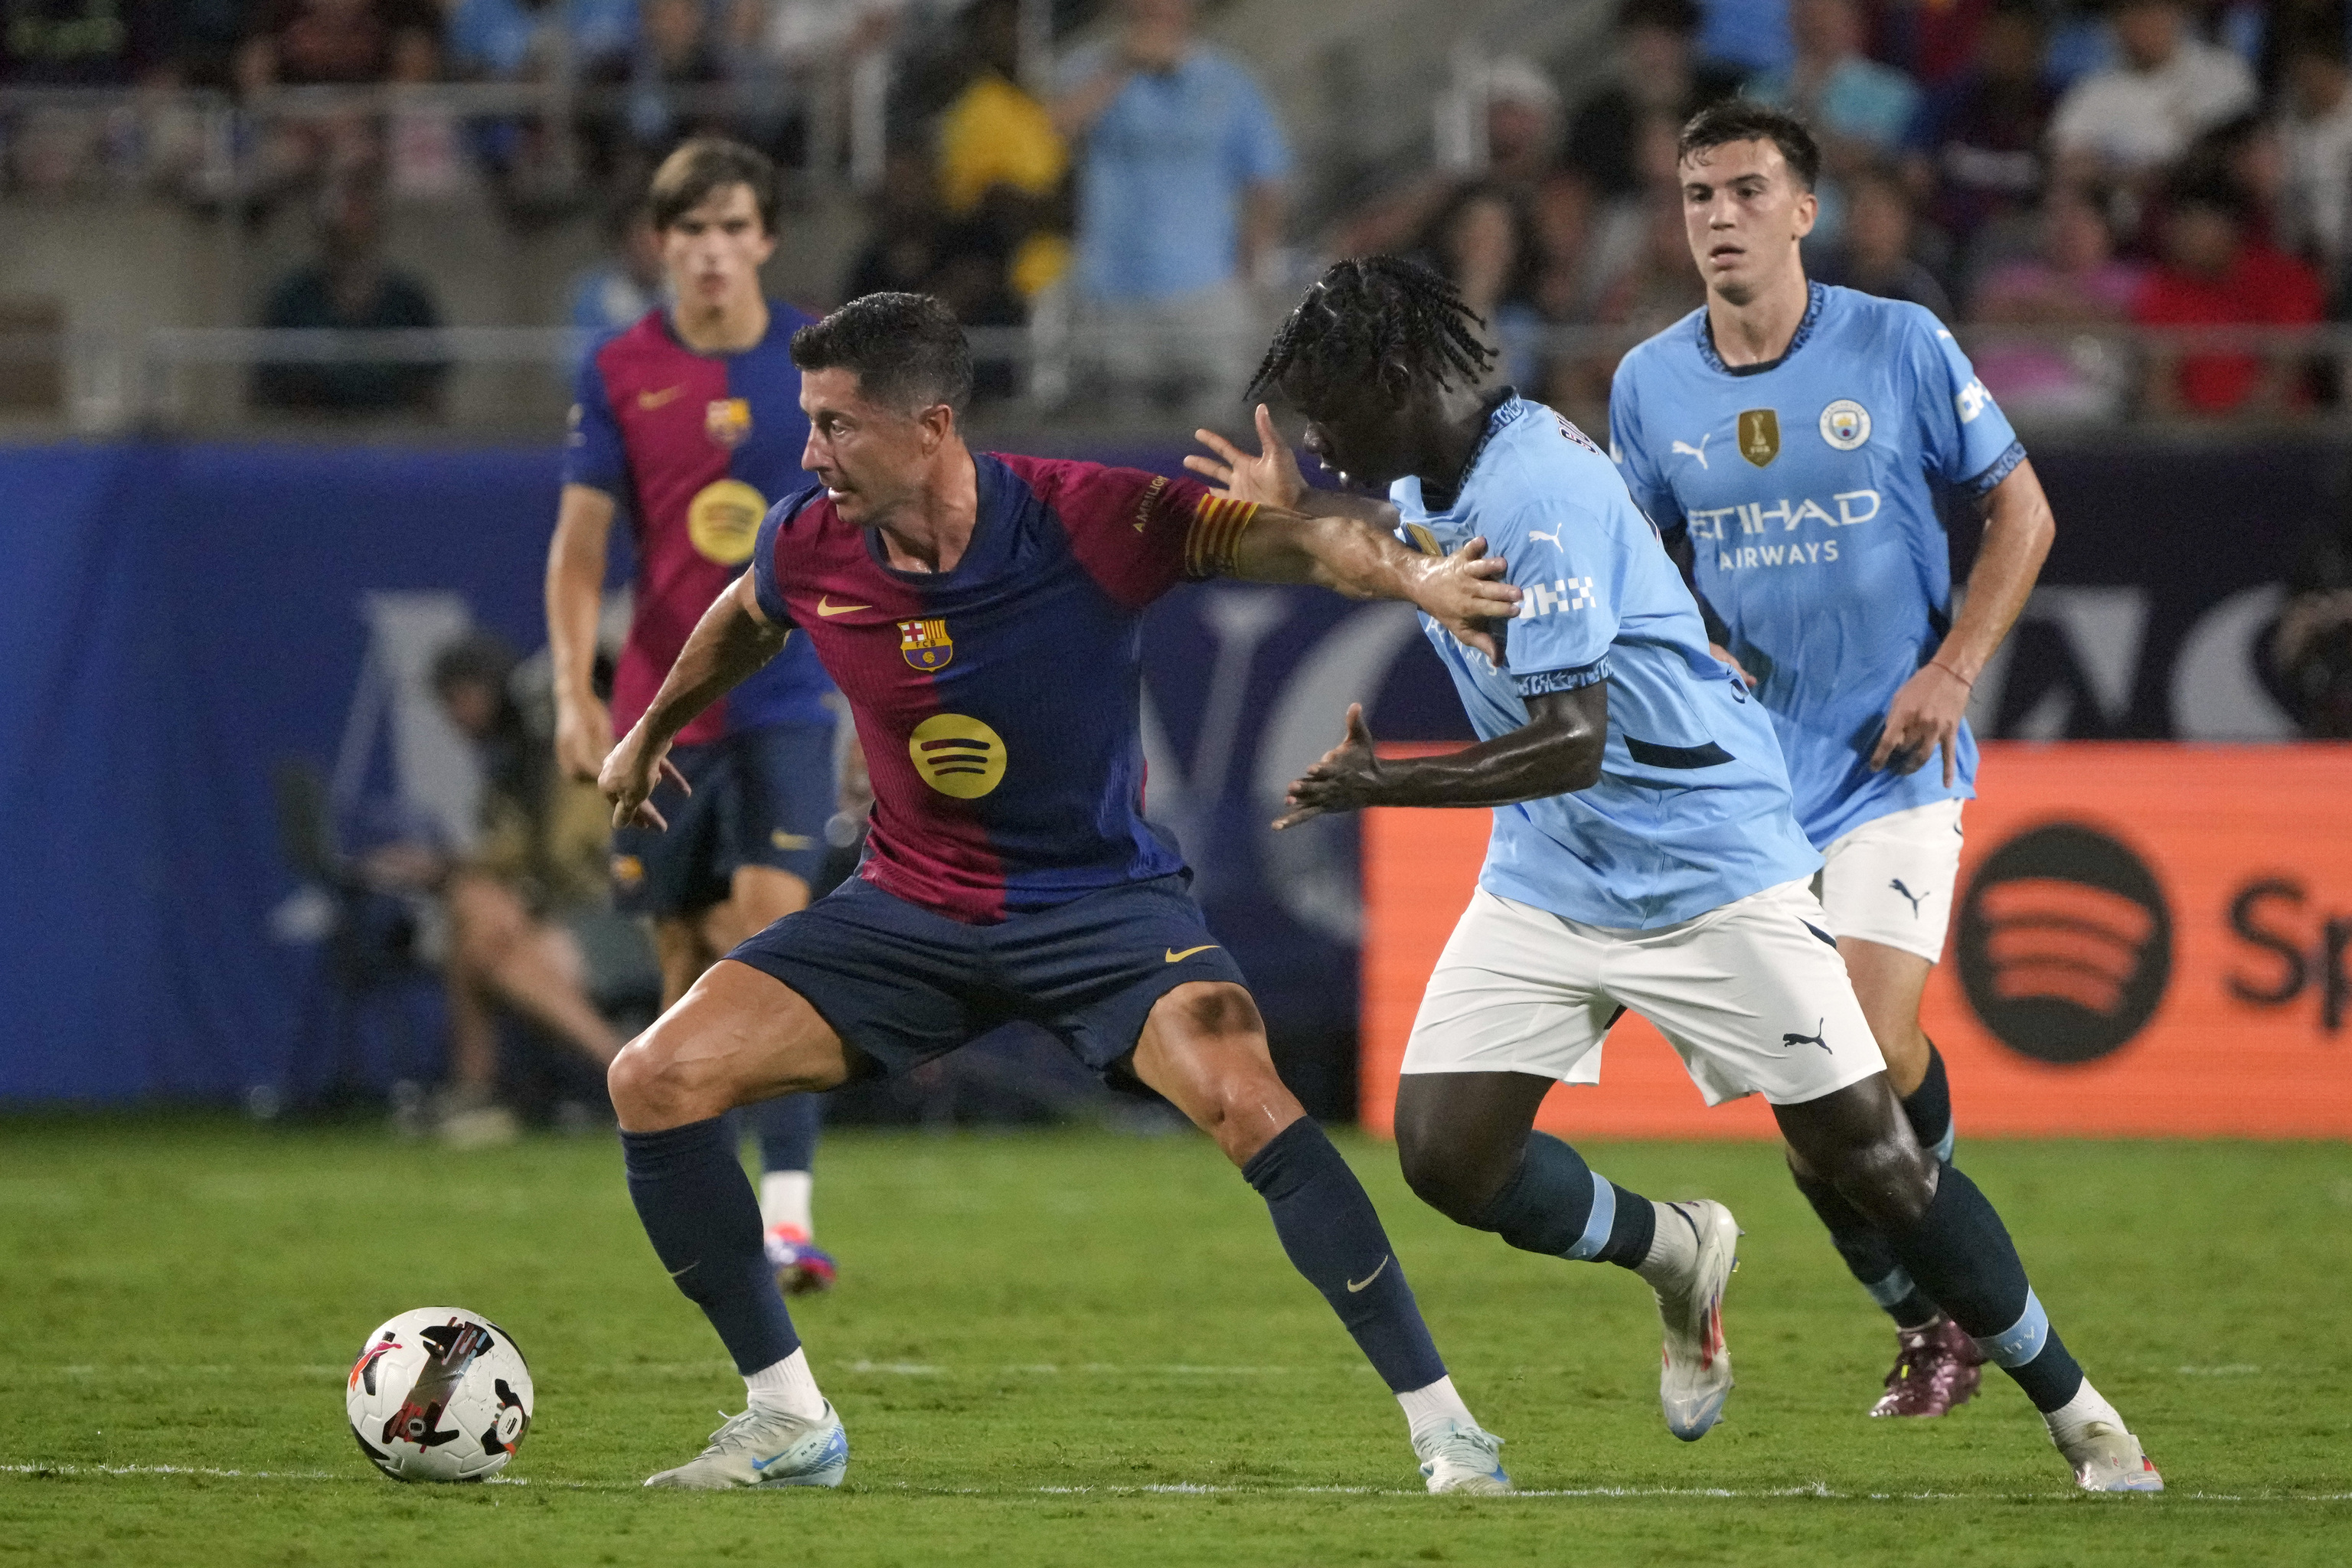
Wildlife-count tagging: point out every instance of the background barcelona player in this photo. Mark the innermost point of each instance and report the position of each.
(982, 614)
(691, 419)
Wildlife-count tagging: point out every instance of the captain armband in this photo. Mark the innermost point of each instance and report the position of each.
(1218, 524)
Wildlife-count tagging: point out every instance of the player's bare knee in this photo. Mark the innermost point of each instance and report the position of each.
(1444, 1177)
(1890, 1178)
(650, 1090)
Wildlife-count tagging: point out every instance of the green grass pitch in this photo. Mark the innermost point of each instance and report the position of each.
(1085, 1348)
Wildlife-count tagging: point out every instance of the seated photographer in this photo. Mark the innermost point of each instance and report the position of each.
(531, 927)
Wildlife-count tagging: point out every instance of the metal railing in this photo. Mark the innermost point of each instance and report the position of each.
(514, 381)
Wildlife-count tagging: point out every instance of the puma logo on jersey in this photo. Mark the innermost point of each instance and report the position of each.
(1684, 449)
(1898, 885)
(1812, 1040)
(1552, 539)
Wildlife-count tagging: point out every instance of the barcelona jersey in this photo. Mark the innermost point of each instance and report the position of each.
(697, 446)
(1000, 703)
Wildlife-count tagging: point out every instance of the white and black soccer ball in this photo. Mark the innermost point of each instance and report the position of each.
(440, 1394)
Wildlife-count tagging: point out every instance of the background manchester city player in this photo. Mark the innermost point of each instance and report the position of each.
(692, 418)
(1643, 856)
(1789, 439)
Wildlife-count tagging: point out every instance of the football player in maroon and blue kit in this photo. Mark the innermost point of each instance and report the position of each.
(691, 419)
(982, 614)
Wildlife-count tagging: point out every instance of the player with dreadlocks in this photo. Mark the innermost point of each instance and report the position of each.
(1645, 855)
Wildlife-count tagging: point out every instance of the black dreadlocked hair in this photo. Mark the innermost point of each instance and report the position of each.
(1364, 314)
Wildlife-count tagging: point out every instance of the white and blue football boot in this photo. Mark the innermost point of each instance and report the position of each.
(760, 1449)
(1463, 1460)
(1695, 1378)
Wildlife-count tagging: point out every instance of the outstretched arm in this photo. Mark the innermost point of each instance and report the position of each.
(733, 638)
(1556, 752)
(1343, 543)
(1926, 714)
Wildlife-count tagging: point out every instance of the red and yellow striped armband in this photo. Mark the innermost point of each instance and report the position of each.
(1218, 524)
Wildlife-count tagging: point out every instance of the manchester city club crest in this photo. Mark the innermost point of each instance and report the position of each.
(1759, 436)
(727, 421)
(1845, 425)
(925, 644)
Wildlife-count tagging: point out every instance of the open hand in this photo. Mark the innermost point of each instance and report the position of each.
(1465, 594)
(629, 776)
(1270, 478)
(1924, 715)
(1345, 779)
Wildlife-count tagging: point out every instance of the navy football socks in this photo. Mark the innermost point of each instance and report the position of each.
(1866, 1252)
(1333, 1236)
(1555, 1203)
(788, 1127)
(699, 1212)
(1963, 1257)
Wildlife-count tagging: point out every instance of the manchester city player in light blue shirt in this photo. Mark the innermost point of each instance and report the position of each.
(1791, 440)
(1645, 855)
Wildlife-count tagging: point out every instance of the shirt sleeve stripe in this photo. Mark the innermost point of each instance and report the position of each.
(2002, 467)
(1218, 524)
(1543, 682)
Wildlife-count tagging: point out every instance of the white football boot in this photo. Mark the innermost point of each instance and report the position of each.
(759, 1448)
(1695, 1377)
(2106, 1458)
(1463, 1459)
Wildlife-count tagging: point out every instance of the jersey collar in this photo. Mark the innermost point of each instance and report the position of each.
(1816, 295)
(1503, 406)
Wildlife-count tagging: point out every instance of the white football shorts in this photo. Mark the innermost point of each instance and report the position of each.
(1890, 880)
(1753, 996)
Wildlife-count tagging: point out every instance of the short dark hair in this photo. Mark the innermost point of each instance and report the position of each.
(1746, 120)
(909, 350)
(1673, 15)
(1365, 314)
(2205, 185)
(474, 659)
(703, 164)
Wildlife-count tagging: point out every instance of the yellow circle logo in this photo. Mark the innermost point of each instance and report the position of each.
(958, 755)
(723, 521)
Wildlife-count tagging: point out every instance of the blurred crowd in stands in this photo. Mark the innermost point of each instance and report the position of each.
(2060, 168)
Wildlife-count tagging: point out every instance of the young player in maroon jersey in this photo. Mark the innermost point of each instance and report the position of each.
(691, 417)
(981, 615)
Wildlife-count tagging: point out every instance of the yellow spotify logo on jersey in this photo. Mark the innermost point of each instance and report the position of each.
(723, 521)
(958, 755)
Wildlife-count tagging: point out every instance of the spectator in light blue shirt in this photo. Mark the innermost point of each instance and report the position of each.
(511, 40)
(1747, 34)
(1859, 110)
(1180, 195)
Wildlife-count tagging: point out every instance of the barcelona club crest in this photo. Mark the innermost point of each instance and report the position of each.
(1759, 436)
(727, 421)
(925, 644)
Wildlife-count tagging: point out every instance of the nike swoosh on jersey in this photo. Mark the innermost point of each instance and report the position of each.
(822, 608)
(655, 399)
(1356, 1285)
(1176, 957)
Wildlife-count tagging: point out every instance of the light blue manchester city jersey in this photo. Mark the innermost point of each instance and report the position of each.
(1692, 810)
(1809, 489)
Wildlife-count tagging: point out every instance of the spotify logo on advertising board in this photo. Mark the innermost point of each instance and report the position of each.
(2064, 944)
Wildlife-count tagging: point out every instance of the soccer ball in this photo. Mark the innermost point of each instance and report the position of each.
(440, 1394)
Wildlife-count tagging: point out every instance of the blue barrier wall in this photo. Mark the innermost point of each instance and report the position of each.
(175, 619)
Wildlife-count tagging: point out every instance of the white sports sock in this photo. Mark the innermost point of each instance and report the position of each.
(2087, 1406)
(785, 1197)
(787, 1387)
(1428, 1411)
(1674, 1247)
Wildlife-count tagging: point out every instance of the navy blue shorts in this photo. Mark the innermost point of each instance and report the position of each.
(761, 798)
(901, 985)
